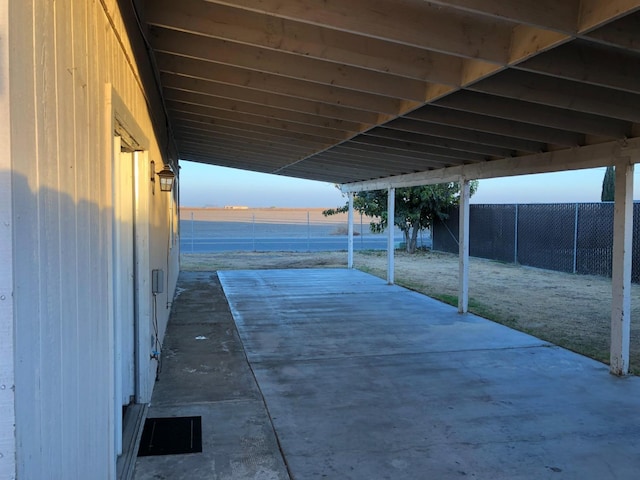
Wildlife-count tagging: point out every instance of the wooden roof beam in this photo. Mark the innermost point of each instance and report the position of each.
(362, 159)
(208, 140)
(246, 135)
(210, 112)
(386, 162)
(497, 126)
(271, 159)
(240, 162)
(356, 149)
(287, 65)
(564, 94)
(410, 23)
(237, 162)
(233, 159)
(317, 172)
(465, 134)
(426, 150)
(253, 149)
(588, 63)
(360, 166)
(373, 150)
(561, 119)
(591, 156)
(275, 159)
(357, 164)
(202, 100)
(440, 141)
(298, 151)
(527, 42)
(621, 34)
(556, 15)
(597, 13)
(275, 100)
(261, 30)
(272, 83)
(200, 121)
(364, 153)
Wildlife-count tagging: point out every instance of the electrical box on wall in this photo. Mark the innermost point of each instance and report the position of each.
(157, 281)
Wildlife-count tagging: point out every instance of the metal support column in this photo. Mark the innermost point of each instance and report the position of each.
(350, 233)
(621, 268)
(463, 245)
(391, 207)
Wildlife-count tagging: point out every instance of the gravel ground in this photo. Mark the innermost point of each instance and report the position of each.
(569, 310)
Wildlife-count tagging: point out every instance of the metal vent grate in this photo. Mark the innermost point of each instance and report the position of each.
(171, 436)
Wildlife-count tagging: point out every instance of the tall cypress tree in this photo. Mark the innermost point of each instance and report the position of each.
(608, 185)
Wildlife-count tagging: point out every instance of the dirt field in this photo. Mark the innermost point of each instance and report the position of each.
(274, 215)
(568, 310)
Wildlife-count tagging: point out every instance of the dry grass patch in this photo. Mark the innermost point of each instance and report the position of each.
(572, 311)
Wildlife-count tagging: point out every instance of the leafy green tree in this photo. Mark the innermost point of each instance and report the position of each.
(416, 208)
(608, 185)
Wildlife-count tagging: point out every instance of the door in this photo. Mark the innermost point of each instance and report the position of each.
(123, 281)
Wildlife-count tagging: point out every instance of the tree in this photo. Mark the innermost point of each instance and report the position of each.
(608, 185)
(416, 208)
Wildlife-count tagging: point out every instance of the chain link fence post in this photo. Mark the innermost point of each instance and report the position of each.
(575, 241)
(192, 232)
(308, 233)
(515, 236)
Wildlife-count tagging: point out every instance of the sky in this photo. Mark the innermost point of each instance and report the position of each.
(211, 186)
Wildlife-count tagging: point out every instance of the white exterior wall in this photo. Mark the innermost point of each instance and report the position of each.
(7, 410)
(63, 55)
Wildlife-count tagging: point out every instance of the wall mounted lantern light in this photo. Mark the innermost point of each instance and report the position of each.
(166, 176)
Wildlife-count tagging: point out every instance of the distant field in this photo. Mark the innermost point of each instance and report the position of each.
(265, 215)
(268, 229)
(265, 222)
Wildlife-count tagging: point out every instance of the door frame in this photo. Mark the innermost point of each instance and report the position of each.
(124, 278)
(121, 123)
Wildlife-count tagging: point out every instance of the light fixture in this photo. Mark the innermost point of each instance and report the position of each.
(166, 176)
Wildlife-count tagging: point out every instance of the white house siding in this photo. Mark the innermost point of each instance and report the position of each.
(63, 54)
(7, 412)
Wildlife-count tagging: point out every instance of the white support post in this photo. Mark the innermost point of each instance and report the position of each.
(463, 247)
(621, 268)
(350, 232)
(391, 207)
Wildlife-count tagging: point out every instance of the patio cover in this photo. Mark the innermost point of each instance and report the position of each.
(375, 94)
(369, 89)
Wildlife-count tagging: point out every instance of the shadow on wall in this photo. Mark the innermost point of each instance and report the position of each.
(64, 331)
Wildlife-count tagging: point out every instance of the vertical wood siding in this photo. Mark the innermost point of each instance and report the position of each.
(7, 410)
(62, 55)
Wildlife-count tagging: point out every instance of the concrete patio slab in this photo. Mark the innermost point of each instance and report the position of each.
(237, 444)
(369, 381)
(205, 373)
(201, 364)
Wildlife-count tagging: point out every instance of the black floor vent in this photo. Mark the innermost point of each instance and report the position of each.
(171, 436)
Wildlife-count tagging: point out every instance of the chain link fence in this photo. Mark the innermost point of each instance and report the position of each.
(567, 237)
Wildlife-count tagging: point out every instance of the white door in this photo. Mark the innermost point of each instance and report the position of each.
(123, 282)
